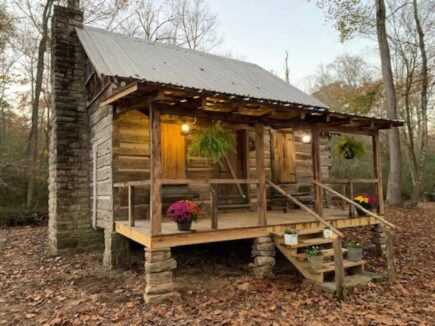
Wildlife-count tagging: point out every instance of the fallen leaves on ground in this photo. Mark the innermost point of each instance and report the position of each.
(75, 289)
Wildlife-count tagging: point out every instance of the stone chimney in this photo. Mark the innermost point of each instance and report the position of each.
(69, 195)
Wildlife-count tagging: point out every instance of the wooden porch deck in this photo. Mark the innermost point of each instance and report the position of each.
(234, 225)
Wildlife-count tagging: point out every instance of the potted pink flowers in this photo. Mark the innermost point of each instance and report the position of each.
(183, 212)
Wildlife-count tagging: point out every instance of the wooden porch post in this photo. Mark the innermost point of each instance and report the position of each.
(317, 173)
(261, 173)
(378, 172)
(155, 171)
(339, 268)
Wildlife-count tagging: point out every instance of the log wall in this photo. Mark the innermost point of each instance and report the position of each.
(131, 161)
(101, 130)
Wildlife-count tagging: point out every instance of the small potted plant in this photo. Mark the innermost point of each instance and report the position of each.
(354, 251)
(327, 233)
(183, 212)
(315, 257)
(366, 201)
(290, 237)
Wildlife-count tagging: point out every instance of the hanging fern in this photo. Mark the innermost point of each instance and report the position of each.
(212, 142)
(350, 148)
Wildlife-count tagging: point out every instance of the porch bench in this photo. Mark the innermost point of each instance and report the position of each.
(171, 194)
(278, 201)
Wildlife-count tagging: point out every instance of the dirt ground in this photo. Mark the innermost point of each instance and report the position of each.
(215, 284)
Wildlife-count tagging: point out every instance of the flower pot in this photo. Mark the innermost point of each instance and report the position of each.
(184, 225)
(361, 212)
(354, 254)
(349, 154)
(290, 239)
(327, 233)
(315, 262)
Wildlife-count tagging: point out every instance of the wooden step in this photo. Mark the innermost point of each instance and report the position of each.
(302, 232)
(325, 252)
(308, 243)
(330, 267)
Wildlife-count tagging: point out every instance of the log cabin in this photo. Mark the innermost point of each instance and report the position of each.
(123, 116)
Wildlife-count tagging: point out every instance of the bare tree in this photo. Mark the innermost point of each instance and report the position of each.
(195, 27)
(394, 192)
(286, 68)
(355, 16)
(423, 105)
(408, 38)
(33, 139)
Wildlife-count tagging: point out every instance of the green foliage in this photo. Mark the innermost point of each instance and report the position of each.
(350, 17)
(290, 231)
(349, 147)
(354, 244)
(314, 251)
(212, 142)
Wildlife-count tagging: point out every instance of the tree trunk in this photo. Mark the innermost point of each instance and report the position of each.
(33, 141)
(418, 186)
(394, 192)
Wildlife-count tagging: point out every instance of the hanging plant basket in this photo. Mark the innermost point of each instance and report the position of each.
(212, 142)
(350, 148)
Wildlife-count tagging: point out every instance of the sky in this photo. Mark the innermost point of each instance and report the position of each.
(260, 31)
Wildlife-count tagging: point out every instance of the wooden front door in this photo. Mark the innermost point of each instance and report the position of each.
(173, 152)
(284, 157)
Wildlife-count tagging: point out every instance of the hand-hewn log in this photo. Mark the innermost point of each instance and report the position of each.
(138, 183)
(343, 202)
(131, 205)
(389, 255)
(378, 172)
(352, 212)
(379, 218)
(339, 269)
(346, 181)
(213, 206)
(306, 208)
(261, 173)
(317, 174)
(156, 171)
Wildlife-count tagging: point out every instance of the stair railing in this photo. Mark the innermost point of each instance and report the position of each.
(350, 201)
(304, 207)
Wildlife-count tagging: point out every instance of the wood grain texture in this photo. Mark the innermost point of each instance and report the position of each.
(156, 172)
(378, 172)
(261, 174)
(173, 152)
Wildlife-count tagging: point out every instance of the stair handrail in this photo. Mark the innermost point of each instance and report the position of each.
(350, 201)
(306, 208)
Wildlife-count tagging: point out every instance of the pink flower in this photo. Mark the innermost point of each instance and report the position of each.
(184, 210)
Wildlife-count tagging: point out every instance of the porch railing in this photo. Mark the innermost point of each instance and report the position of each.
(353, 203)
(213, 183)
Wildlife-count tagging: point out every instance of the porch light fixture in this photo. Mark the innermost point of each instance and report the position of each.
(185, 128)
(306, 137)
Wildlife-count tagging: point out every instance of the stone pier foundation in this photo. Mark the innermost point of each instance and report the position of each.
(379, 239)
(116, 250)
(263, 252)
(158, 275)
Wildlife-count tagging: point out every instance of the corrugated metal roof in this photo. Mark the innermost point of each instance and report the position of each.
(114, 54)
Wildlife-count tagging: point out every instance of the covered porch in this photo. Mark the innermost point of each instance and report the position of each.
(153, 230)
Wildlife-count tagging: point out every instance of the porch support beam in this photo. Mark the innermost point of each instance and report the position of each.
(156, 172)
(317, 173)
(261, 188)
(378, 172)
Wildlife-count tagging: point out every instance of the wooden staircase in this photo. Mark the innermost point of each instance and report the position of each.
(297, 256)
